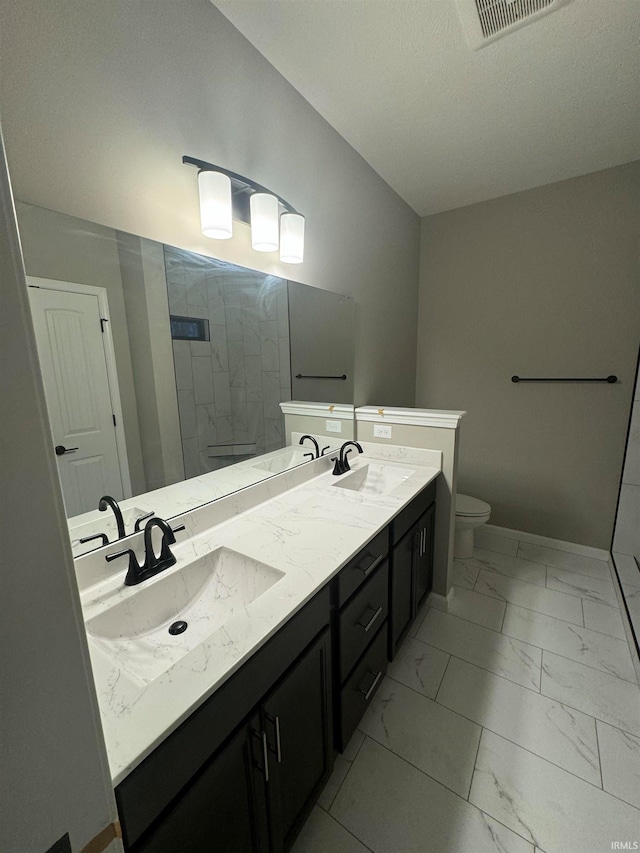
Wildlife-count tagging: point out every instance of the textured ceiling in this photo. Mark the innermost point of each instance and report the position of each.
(446, 126)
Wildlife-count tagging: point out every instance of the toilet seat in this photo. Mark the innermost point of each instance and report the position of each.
(468, 507)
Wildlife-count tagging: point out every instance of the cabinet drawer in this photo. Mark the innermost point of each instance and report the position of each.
(361, 618)
(357, 693)
(362, 565)
(410, 514)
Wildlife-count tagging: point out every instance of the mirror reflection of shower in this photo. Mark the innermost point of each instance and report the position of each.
(230, 331)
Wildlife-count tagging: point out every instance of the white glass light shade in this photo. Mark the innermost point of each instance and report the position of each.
(264, 222)
(215, 205)
(291, 238)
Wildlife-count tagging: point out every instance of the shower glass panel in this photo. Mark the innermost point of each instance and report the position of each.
(229, 387)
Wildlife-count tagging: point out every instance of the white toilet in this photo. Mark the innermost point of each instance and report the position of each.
(470, 513)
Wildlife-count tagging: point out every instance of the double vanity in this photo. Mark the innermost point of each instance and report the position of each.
(229, 681)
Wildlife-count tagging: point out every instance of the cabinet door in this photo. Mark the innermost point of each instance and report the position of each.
(424, 555)
(401, 607)
(297, 720)
(223, 809)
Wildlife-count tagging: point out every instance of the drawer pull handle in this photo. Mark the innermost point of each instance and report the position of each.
(368, 625)
(371, 566)
(376, 678)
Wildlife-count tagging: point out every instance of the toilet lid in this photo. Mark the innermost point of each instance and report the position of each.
(466, 505)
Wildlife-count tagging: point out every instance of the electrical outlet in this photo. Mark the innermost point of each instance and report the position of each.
(381, 431)
(333, 426)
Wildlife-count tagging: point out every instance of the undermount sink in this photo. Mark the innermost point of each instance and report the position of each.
(282, 462)
(374, 479)
(204, 594)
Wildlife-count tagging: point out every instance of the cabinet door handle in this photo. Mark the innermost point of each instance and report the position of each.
(262, 736)
(423, 540)
(371, 566)
(265, 756)
(368, 625)
(376, 678)
(276, 723)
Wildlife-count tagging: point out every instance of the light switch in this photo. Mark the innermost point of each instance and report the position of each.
(333, 426)
(381, 431)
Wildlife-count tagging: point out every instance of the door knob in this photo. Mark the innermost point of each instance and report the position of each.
(61, 449)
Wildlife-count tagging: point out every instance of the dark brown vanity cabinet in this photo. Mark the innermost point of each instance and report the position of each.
(223, 808)
(411, 563)
(297, 722)
(361, 607)
(214, 785)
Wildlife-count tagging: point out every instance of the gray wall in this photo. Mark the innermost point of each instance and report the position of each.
(540, 283)
(54, 773)
(144, 286)
(101, 100)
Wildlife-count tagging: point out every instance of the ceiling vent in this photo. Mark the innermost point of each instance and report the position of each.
(485, 21)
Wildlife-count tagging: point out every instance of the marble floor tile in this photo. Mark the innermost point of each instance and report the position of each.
(565, 560)
(394, 808)
(592, 589)
(321, 833)
(432, 738)
(340, 769)
(603, 696)
(513, 567)
(533, 597)
(491, 542)
(550, 807)
(571, 641)
(620, 757)
(464, 575)
(419, 667)
(602, 618)
(487, 649)
(481, 609)
(560, 734)
(628, 570)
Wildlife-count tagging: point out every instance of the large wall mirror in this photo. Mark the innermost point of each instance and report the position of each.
(164, 370)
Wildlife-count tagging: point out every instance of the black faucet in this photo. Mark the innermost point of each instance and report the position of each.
(153, 564)
(315, 444)
(342, 463)
(107, 501)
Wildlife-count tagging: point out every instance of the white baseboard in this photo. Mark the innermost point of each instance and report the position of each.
(558, 544)
(440, 602)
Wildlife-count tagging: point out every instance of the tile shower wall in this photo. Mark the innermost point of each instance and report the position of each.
(229, 388)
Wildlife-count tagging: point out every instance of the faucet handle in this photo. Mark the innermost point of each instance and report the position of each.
(110, 557)
(337, 468)
(102, 536)
(140, 519)
(324, 449)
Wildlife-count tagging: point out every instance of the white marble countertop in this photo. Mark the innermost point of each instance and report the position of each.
(185, 495)
(308, 532)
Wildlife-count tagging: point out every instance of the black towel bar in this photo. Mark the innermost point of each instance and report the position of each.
(303, 376)
(610, 379)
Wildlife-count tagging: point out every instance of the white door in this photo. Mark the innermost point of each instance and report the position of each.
(76, 386)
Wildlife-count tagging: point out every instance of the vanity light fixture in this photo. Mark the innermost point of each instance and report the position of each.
(264, 222)
(225, 195)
